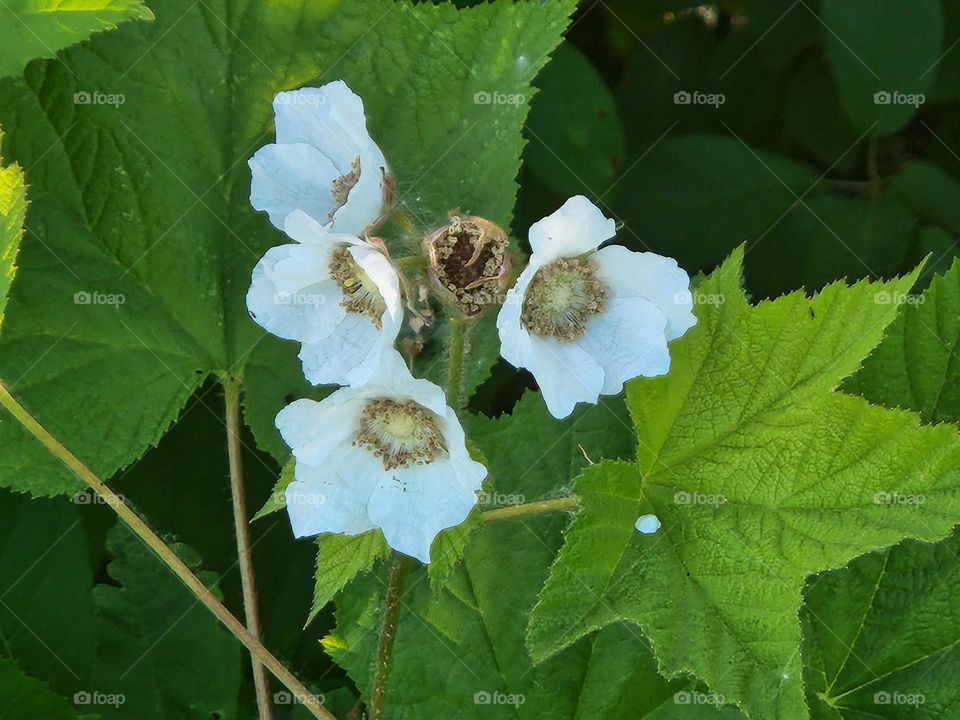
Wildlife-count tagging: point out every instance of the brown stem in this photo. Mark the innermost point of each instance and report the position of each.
(261, 683)
(388, 634)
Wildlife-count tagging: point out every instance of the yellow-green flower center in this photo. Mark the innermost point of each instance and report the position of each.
(400, 433)
(340, 188)
(561, 298)
(360, 293)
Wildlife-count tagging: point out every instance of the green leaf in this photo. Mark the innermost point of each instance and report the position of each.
(829, 238)
(159, 647)
(40, 28)
(277, 500)
(873, 50)
(698, 212)
(582, 154)
(165, 230)
(24, 698)
(340, 558)
(46, 611)
(761, 475)
(916, 367)
(880, 635)
(13, 208)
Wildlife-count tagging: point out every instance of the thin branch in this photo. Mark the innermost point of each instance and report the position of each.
(388, 634)
(231, 391)
(561, 504)
(167, 556)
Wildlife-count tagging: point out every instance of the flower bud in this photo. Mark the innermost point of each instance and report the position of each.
(468, 262)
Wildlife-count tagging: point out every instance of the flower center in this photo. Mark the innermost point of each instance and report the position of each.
(561, 298)
(468, 259)
(340, 188)
(360, 293)
(401, 434)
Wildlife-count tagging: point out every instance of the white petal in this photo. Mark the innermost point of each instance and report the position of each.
(348, 356)
(651, 276)
(509, 328)
(304, 229)
(393, 379)
(627, 341)
(315, 430)
(292, 177)
(412, 505)
(330, 118)
(379, 269)
(366, 199)
(292, 295)
(565, 373)
(576, 228)
(334, 496)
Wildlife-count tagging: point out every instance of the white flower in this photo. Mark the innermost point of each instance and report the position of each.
(338, 295)
(390, 455)
(584, 321)
(323, 163)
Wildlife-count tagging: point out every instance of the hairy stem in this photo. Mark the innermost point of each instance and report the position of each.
(561, 504)
(166, 555)
(458, 343)
(388, 634)
(231, 392)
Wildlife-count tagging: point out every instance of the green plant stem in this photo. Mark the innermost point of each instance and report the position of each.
(166, 555)
(388, 634)
(458, 343)
(561, 504)
(261, 683)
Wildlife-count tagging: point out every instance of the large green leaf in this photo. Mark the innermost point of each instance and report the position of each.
(460, 652)
(761, 475)
(46, 611)
(13, 209)
(146, 201)
(24, 698)
(916, 366)
(698, 212)
(873, 50)
(157, 645)
(40, 28)
(881, 635)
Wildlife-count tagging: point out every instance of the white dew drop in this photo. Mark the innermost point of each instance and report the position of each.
(647, 524)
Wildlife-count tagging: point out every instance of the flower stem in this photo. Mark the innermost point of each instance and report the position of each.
(388, 634)
(458, 343)
(261, 683)
(561, 504)
(167, 556)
